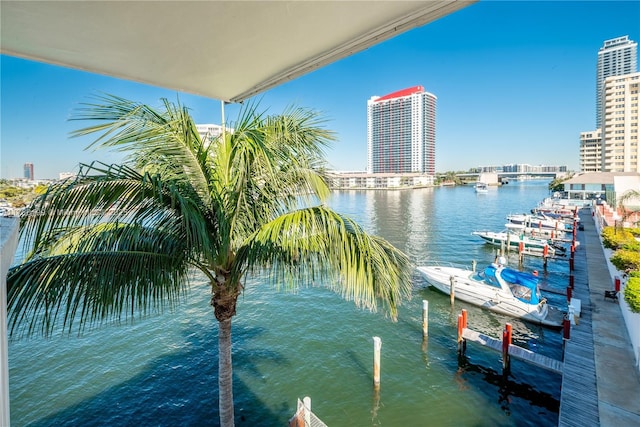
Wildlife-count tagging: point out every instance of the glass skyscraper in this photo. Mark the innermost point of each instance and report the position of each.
(401, 132)
(28, 171)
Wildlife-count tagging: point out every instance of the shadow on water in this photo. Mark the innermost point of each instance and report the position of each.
(508, 389)
(178, 389)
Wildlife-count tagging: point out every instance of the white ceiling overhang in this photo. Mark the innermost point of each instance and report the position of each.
(226, 50)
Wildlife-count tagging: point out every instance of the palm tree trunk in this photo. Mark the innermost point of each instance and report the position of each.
(225, 374)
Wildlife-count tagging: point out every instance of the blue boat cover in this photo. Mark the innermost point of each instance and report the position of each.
(520, 278)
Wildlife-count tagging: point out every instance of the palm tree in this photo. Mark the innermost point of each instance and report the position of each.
(119, 240)
(628, 196)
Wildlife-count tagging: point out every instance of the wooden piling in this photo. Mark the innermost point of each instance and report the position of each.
(571, 281)
(506, 342)
(464, 318)
(520, 252)
(462, 343)
(377, 345)
(452, 289)
(569, 291)
(425, 318)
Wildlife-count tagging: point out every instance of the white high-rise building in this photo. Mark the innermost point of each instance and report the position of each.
(401, 132)
(590, 151)
(209, 132)
(617, 57)
(620, 124)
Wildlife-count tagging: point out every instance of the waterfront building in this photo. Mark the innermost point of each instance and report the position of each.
(363, 180)
(28, 171)
(620, 124)
(210, 132)
(605, 186)
(617, 57)
(590, 150)
(401, 132)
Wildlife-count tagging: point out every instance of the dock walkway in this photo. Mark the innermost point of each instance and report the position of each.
(600, 385)
(516, 352)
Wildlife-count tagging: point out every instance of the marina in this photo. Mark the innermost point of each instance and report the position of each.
(312, 343)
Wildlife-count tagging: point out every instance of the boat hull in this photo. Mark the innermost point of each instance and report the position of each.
(512, 242)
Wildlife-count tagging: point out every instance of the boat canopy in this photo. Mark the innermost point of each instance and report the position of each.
(523, 285)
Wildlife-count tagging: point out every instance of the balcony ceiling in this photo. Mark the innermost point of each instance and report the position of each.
(227, 50)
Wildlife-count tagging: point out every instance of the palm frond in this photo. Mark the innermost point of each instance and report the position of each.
(118, 194)
(82, 288)
(318, 245)
(165, 143)
(268, 165)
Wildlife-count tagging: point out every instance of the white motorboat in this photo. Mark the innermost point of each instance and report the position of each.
(481, 187)
(540, 222)
(521, 243)
(496, 288)
(537, 232)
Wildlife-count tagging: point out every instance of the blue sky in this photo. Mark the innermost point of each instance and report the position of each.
(515, 83)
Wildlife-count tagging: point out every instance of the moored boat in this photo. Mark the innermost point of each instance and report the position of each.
(540, 222)
(496, 288)
(537, 232)
(521, 243)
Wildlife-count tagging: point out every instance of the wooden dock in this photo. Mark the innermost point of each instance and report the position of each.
(520, 353)
(579, 394)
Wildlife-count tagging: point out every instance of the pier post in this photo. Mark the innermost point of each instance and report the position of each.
(569, 291)
(571, 264)
(508, 241)
(462, 343)
(506, 342)
(377, 345)
(473, 265)
(464, 317)
(425, 318)
(571, 281)
(452, 288)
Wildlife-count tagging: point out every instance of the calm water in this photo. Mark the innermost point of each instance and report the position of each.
(162, 371)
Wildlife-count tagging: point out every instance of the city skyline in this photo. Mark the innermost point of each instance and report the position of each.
(514, 82)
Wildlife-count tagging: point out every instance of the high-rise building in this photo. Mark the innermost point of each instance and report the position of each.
(401, 132)
(620, 124)
(616, 57)
(590, 151)
(28, 171)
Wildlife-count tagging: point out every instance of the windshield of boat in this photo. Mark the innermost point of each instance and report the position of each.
(489, 276)
(524, 286)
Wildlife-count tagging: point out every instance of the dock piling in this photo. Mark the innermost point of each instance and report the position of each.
(506, 342)
(452, 289)
(377, 345)
(425, 318)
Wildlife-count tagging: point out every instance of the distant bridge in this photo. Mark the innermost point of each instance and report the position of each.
(473, 176)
